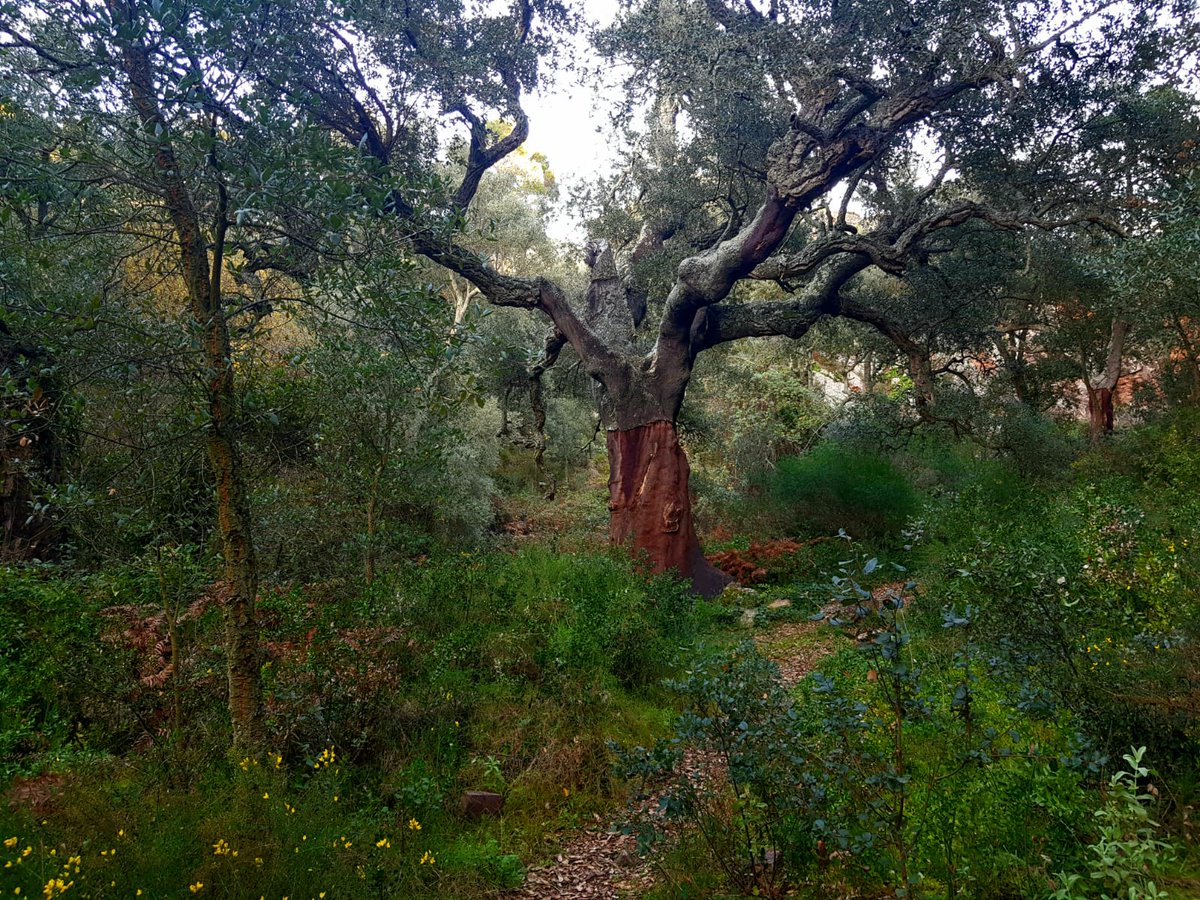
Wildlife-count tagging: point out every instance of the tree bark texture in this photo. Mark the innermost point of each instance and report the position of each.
(650, 505)
(1100, 412)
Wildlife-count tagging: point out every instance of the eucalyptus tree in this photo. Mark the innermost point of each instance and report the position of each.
(772, 125)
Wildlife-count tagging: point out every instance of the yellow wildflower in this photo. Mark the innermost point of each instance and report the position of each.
(414, 825)
(197, 887)
(10, 842)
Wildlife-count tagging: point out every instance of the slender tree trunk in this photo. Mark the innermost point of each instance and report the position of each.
(241, 573)
(373, 518)
(504, 395)
(537, 403)
(650, 505)
(203, 282)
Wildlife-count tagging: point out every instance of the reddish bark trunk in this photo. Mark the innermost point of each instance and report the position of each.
(1100, 412)
(650, 506)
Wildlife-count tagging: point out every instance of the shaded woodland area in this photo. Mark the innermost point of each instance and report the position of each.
(824, 523)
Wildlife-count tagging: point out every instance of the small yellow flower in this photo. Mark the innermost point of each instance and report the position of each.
(427, 859)
(197, 887)
(414, 825)
(56, 887)
(10, 842)
(266, 795)
(28, 850)
(383, 843)
(566, 792)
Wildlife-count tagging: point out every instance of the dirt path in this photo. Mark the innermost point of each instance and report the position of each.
(603, 864)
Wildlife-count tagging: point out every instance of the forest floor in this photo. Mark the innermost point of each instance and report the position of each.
(601, 862)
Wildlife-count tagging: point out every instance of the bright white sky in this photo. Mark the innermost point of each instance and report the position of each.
(569, 124)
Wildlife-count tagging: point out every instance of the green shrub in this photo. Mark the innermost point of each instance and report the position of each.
(1126, 855)
(834, 487)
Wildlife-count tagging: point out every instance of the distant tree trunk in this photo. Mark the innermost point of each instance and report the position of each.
(1100, 412)
(1101, 387)
(1191, 357)
(1011, 346)
(369, 552)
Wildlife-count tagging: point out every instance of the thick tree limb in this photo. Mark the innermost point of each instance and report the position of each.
(480, 156)
(790, 318)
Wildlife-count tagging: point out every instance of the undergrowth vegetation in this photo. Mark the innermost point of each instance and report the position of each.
(1006, 707)
(472, 670)
(1011, 709)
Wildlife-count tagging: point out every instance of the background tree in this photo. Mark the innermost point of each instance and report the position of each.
(845, 100)
(149, 105)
